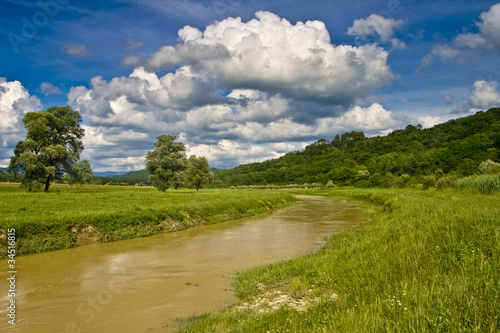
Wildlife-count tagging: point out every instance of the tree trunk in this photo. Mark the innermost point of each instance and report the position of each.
(47, 184)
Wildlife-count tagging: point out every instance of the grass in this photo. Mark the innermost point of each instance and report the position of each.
(485, 184)
(71, 216)
(428, 261)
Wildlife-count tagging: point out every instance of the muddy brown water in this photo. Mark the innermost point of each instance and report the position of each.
(153, 284)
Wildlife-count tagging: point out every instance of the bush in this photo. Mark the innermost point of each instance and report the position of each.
(489, 167)
(428, 181)
(330, 184)
(445, 182)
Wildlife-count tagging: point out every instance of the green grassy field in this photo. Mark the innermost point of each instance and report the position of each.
(70, 216)
(428, 261)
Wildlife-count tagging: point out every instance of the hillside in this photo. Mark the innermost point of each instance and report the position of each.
(140, 174)
(456, 147)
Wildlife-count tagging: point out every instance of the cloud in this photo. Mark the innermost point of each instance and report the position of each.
(448, 99)
(76, 50)
(483, 96)
(371, 119)
(467, 47)
(429, 121)
(130, 44)
(48, 88)
(230, 153)
(236, 92)
(15, 102)
(490, 26)
(271, 54)
(378, 27)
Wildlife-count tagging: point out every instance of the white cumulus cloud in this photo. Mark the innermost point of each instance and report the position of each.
(483, 96)
(271, 54)
(237, 91)
(15, 102)
(378, 27)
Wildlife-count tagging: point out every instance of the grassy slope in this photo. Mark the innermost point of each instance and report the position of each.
(429, 261)
(59, 219)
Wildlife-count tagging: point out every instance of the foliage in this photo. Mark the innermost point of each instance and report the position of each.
(81, 173)
(140, 174)
(53, 144)
(445, 182)
(330, 184)
(166, 162)
(400, 159)
(198, 172)
(486, 184)
(489, 167)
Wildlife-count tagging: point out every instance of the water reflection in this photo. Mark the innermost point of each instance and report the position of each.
(145, 284)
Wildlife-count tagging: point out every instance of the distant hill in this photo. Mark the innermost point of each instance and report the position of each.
(143, 174)
(109, 174)
(407, 156)
(140, 174)
(3, 170)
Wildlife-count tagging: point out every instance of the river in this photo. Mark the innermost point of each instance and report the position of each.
(153, 284)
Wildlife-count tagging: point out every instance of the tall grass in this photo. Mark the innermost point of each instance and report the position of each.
(67, 217)
(486, 184)
(429, 261)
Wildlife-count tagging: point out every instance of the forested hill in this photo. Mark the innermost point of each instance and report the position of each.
(456, 147)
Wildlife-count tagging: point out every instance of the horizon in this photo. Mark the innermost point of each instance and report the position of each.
(240, 82)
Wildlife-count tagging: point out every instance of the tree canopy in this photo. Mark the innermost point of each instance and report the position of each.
(198, 172)
(53, 144)
(81, 173)
(457, 148)
(166, 163)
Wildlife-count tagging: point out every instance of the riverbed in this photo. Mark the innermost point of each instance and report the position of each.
(153, 284)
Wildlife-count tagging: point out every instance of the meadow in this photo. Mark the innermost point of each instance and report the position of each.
(68, 216)
(427, 261)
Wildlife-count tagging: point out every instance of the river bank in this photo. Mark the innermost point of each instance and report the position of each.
(154, 284)
(428, 261)
(67, 217)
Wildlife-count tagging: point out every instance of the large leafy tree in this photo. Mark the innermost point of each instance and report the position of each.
(166, 163)
(81, 173)
(53, 144)
(198, 172)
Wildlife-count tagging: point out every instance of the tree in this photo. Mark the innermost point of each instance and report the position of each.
(198, 172)
(489, 167)
(352, 136)
(81, 173)
(53, 144)
(166, 163)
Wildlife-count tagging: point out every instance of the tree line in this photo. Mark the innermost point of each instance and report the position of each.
(405, 157)
(53, 145)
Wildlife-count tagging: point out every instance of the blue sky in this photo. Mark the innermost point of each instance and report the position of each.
(242, 81)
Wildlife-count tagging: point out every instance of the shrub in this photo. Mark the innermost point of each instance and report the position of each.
(445, 182)
(429, 181)
(489, 167)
